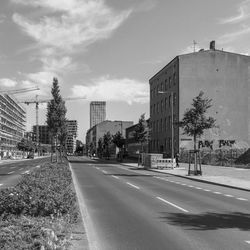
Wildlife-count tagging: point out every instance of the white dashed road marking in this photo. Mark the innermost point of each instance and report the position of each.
(172, 204)
(11, 172)
(241, 199)
(248, 241)
(228, 195)
(116, 177)
(217, 192)
(1, 184)
(207, 190)
(198, 188)
(105, 172)
(132, 185)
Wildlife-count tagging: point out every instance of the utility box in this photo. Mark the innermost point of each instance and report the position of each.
(150, 160)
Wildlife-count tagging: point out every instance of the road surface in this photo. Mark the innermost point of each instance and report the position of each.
(125, 209)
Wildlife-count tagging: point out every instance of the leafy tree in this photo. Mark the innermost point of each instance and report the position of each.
(26, 146)
(195, 122)
(107, 140)
(141, 134)
(100, 148)
(56, 119)
(119, 141)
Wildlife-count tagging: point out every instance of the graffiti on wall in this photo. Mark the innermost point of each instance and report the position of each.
(210, 144)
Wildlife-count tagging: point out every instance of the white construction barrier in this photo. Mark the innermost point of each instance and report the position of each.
(166, 163)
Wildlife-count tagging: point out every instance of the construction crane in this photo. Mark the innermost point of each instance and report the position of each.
(37, 102)
(18, 91)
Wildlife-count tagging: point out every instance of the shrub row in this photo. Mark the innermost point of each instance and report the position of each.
(38, 212)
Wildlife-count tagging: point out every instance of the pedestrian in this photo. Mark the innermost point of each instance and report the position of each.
(177, 159)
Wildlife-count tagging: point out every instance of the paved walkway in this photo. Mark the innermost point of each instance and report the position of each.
(225, 176)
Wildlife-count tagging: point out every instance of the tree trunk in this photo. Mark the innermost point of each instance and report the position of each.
(195, 156)
(56, 151)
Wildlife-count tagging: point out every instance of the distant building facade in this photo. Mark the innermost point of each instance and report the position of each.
(71, 136)
(133, 148)
(12, 126)
(43, 133)
(95, 133)
(97, 112)
(223, 77)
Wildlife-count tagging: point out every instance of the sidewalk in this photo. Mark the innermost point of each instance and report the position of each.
(238, 178)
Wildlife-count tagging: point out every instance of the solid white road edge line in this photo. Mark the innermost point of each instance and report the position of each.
(172, 204)
(132, 185)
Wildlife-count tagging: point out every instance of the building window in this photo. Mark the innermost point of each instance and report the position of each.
(157, 123)
(158, 107)
(166, 84)
(154, 109)
(174, 99)
(161, 105)
(166, 103)
(170, 80)
(169, 101)
(161, 126)
(174, 78)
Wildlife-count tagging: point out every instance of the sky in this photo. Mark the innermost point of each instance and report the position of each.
(107, 50)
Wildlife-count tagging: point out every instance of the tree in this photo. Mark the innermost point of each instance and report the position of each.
(26, 146)
(141, 131)
(119, 141)
(107, 139)
(195, 122)
(100, 148)
(56, 119)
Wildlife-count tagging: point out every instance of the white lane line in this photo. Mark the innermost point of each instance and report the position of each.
(11, 172)
(241, 199)
(190, 186)
(172, 204)
(116, 177)
(132, 185)
(217, 192)
(228, 195)
(183, 184)
(197, 188)
(97, 168)
(1, 184)
(105, 172)
(207, 190)
(38, 166)
(247, 241)
(26, 172)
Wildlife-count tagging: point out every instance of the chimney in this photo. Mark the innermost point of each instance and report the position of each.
(212, 45)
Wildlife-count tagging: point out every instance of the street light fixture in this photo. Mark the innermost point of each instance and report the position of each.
(172, 119)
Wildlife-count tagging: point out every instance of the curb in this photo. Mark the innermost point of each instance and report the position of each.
(204, 181)
(193, 179)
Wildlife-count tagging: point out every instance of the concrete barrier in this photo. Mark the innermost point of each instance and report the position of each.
(166, 163)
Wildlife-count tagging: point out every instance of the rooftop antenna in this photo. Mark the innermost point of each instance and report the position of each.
(194, 42)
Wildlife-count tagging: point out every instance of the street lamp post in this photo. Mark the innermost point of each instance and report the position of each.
(172, 121)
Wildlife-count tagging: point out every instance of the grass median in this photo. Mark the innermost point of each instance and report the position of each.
(40, 211)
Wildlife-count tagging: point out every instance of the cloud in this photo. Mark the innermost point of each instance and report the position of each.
(106, 88)
(190, 49)
(5, 82)
(232, 36)
(243, 14)
(78, 23)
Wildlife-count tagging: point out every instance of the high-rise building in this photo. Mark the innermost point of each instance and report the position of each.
(44, 137)
(97, 112)
(223, 77)
(12, 126)
(71, 136)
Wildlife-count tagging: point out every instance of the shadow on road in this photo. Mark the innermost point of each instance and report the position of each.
(209, 221)
(132, 175)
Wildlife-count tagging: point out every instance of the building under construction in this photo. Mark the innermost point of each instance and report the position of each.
(12, 125)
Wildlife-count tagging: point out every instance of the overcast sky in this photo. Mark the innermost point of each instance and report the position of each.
(108, 49)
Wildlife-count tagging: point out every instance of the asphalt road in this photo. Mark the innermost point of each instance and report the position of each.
(10, 172)
(125, 208)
